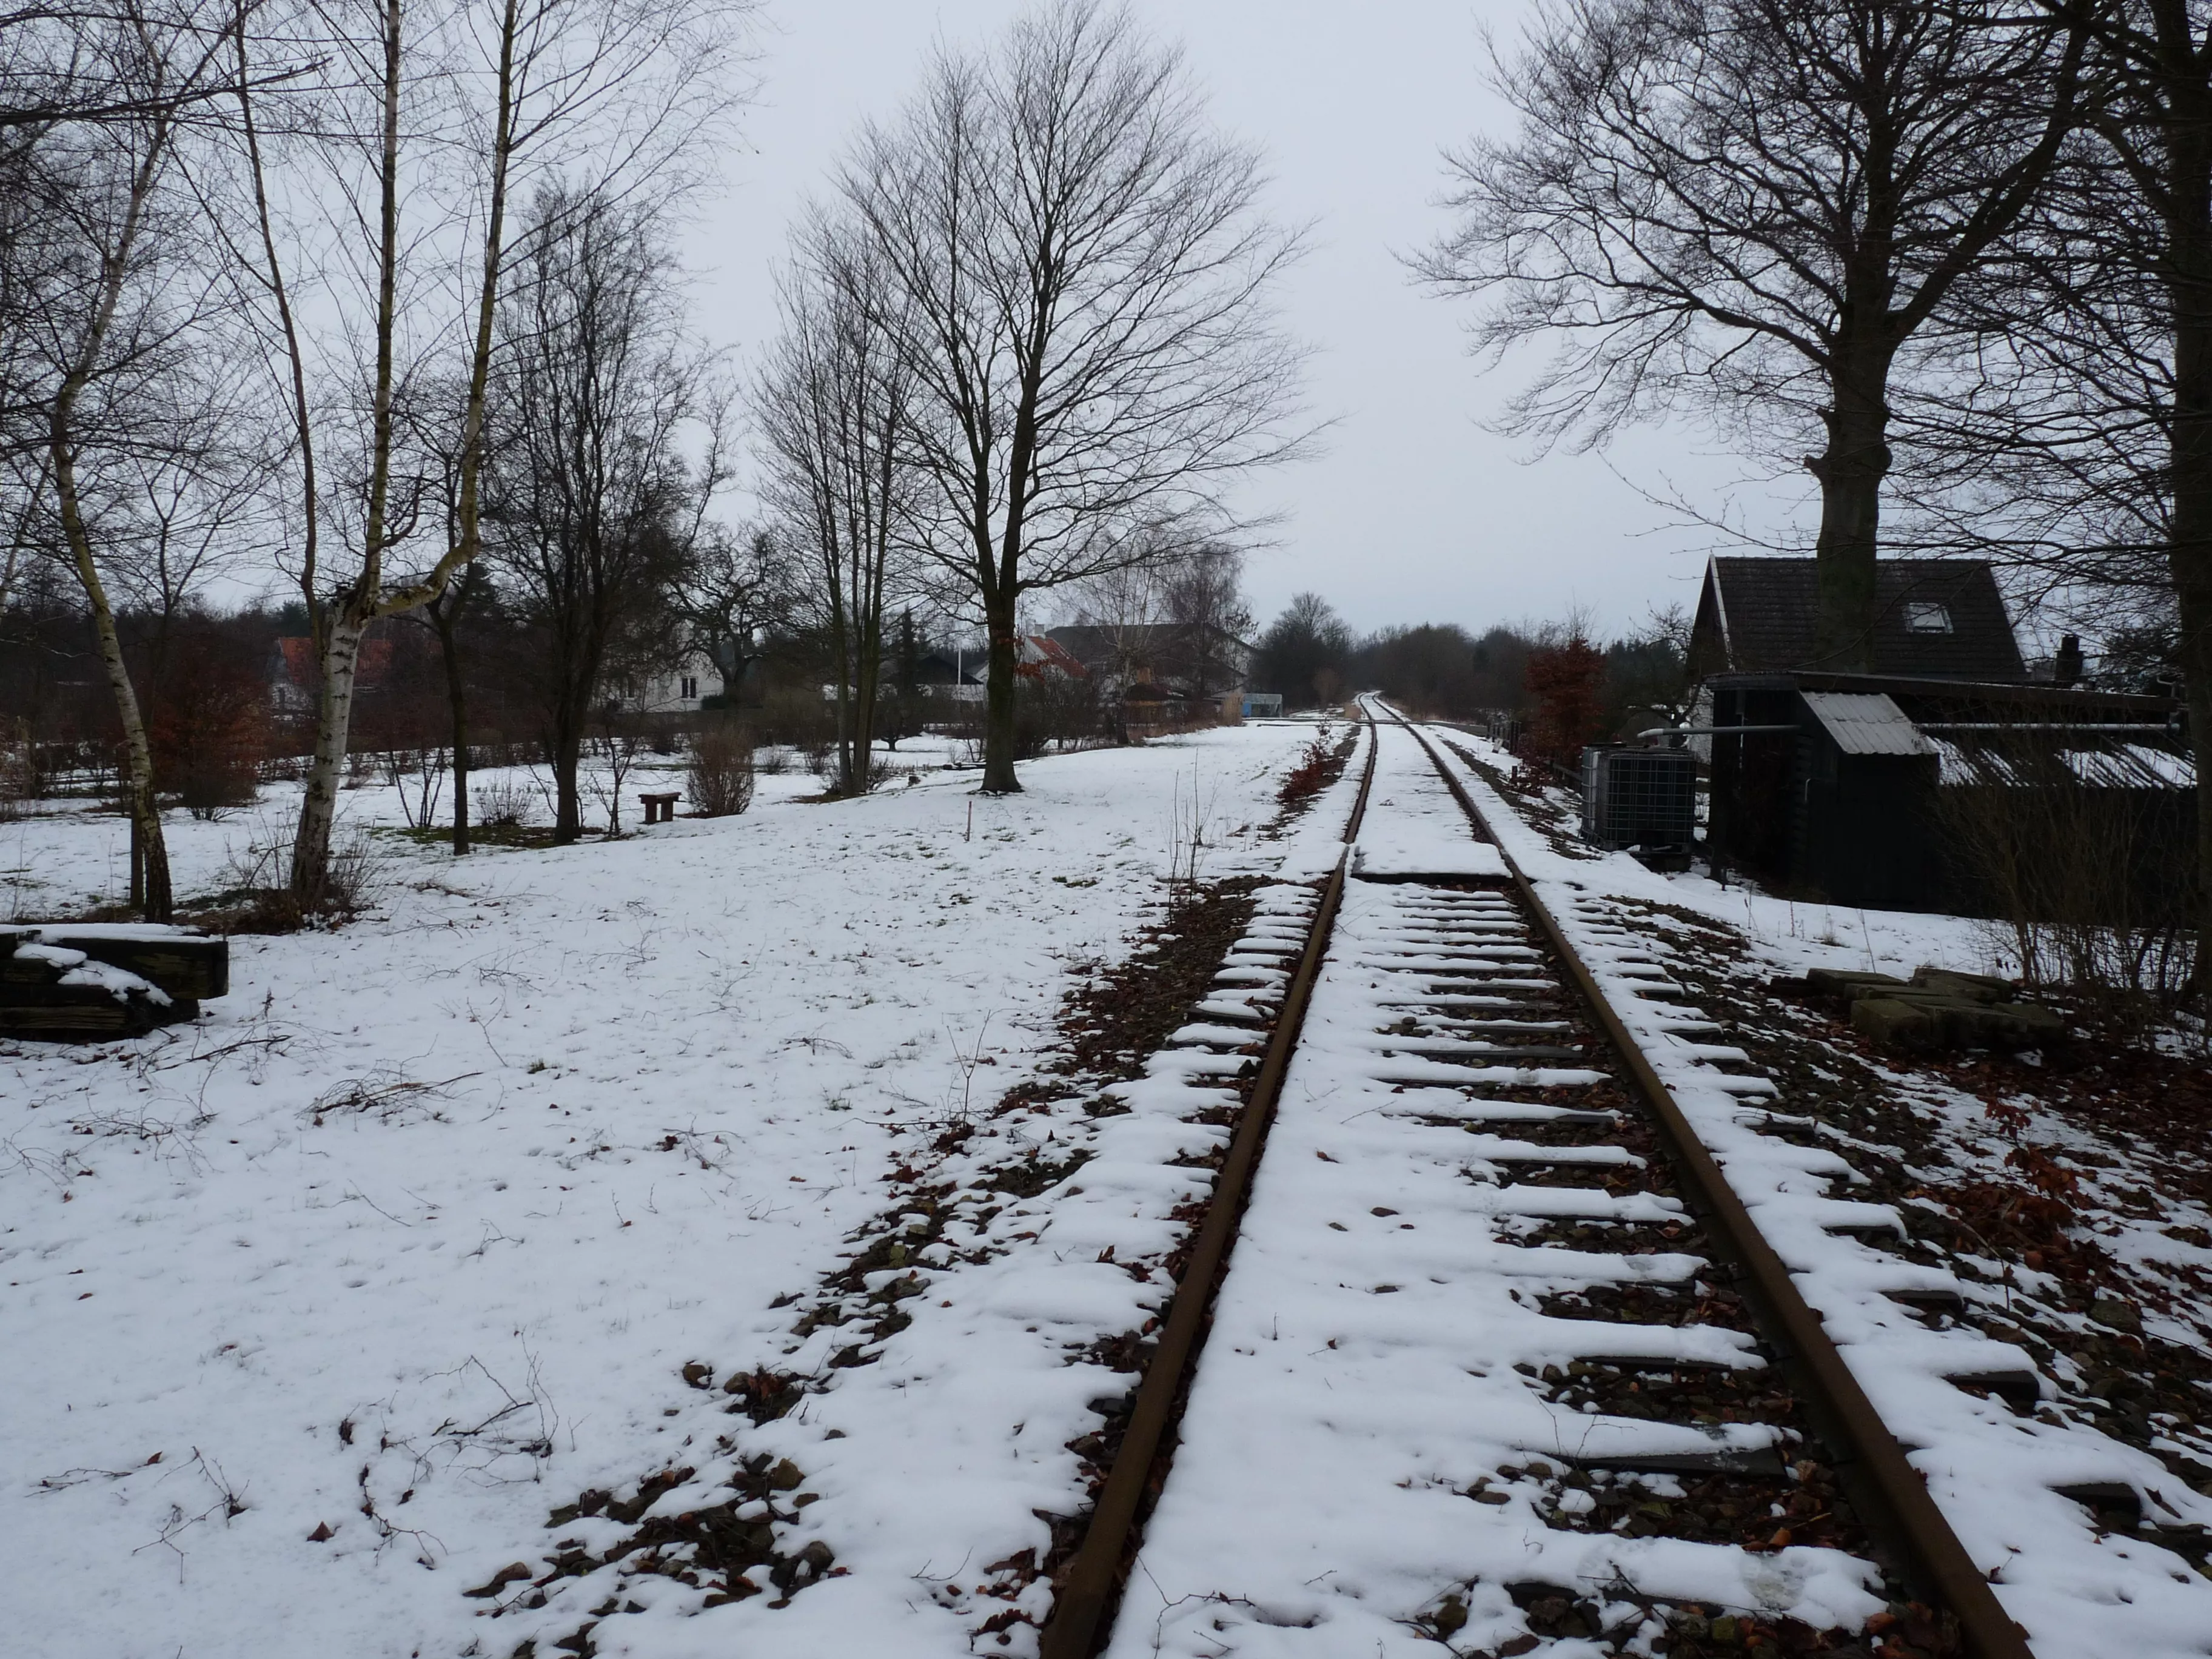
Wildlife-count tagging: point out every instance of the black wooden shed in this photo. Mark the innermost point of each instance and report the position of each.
(1845, 786)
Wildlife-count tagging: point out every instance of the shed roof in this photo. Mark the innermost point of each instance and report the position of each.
(2100, 763)
(1867, 723)
(1757, 615)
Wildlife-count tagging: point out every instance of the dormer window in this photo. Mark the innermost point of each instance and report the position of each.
(1927, 616)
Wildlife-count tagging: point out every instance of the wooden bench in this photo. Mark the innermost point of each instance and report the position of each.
(661, 808)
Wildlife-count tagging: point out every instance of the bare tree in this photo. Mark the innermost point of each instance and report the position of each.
(1085, 275)
(411, 145)
(590, 505)
(835, 406)
(2088, 423)
(1177, 616)
(735, 587)
(434, 435)
(1760, 207)
(97, 309)
(1304, 652)
(1205, 606)
(1126, 607)
(49, 80)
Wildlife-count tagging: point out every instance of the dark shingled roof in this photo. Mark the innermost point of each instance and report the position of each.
(1757, 616)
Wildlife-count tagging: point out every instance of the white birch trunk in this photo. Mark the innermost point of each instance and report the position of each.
(311, 842)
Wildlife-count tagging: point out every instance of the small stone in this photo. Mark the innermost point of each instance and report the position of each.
(322, 1533)
(2115, 1315)
(785, 1475)
(698, 1376)
(512, 1573)
(1724, 1629)
(1450, 1616)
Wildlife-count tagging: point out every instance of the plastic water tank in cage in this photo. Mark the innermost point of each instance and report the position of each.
(1640, 798)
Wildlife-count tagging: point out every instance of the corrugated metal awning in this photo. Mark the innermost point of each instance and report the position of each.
(1867, 723)
(2099, 764)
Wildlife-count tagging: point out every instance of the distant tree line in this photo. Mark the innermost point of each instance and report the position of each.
(1440, 671)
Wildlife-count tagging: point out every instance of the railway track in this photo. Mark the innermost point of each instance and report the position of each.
(1503, 1363)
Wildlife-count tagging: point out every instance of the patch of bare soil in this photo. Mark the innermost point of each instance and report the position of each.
(1319, 765)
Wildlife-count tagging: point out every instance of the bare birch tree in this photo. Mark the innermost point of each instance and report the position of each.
(98, 307)
(834, 405)
(429, 119)
(54, 75)
(1760, 207)
(1086, 277)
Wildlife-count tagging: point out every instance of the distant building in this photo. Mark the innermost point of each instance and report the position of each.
(1046, 653)
(673, 684)
(961, 673)
(295, 677)
(1159, 662)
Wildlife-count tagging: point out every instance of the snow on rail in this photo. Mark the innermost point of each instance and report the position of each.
(1360, 1383)
(1414, 826)
(2079, 1591)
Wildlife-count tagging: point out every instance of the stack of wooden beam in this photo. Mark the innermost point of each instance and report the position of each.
(86, 982)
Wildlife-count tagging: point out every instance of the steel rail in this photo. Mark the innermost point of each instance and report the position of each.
(1865, 1452)
(1092, 1586)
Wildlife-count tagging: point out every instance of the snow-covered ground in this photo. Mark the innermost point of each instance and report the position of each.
(516, 1198)
(315, 1309)
(59, 857)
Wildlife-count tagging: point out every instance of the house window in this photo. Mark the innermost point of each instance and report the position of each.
(1927, 616)
(691, 685)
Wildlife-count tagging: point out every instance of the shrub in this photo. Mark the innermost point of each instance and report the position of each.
(502, 805)
(1566, 684)
(255, 900)
(721, 771)
(2095, 887)
(210, 729)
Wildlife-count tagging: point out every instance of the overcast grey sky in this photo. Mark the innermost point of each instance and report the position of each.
(1412, 513)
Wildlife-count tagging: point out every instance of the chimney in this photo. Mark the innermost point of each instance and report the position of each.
(2066, 670)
